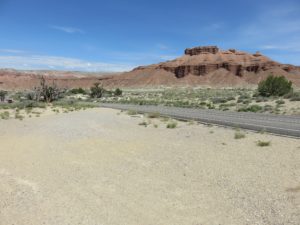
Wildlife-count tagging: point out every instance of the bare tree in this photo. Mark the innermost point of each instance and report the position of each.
(2, 95)
(45, 92)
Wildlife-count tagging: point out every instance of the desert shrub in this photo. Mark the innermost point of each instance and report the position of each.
(77, 91)
(274, 86)
(252, 108)
(97, 91)
(243, 98)
(144, 123)
(230, 98)
(4, 115)
(280, 102)
(267, 108)
(263, 143)
(2, 95)
(45, 92)
(219, 100)
(295, 99)
(118, 92)
(261, 99)
(18, 116)
(239, 135)
(153, 115)
(132, 112)
(295, 96)
(171, 125)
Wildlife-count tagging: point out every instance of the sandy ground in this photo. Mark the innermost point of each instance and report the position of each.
(100, 167)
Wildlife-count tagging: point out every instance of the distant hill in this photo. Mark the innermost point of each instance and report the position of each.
(200, 66)
(21, 80)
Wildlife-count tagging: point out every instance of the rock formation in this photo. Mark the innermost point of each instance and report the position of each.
(208, 65)
(202, 50)
(200, 61)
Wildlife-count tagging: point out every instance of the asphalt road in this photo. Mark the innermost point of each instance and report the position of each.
(276, 124)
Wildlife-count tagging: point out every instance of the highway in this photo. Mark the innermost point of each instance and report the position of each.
(276, 124)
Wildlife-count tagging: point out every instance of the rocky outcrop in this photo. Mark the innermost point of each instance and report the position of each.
(202, 50)
(200, 61)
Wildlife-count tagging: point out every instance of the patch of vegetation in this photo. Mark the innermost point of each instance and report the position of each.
(118, 92)
(2, 95)
(280, 102)
(77, 91)
(275, 86)
(144, 123)
(171, 125)
(4, 115)
(72, 105)
(45, 92)
(252, 108)
(153, 115)
(191, 122)
(239, 135)
(219, 100)
(18, 116)
(263, 143)
(97, 91)
(295, 96)
(132, 112)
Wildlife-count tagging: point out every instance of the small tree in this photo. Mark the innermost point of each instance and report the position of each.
(45, 92)
(118, 92)
(274, 86)
(2, 95)
(97, 91)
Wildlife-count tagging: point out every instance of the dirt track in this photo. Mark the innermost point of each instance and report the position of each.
(97, 167)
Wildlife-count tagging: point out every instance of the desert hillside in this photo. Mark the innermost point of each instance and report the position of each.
(22, 80)
(208, 66)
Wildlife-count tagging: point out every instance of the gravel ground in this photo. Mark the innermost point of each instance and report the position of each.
(101, 167)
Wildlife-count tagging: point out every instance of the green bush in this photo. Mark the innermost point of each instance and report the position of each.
(118, 92)
(239, 135)
(274, 86)
(4, 115)
(263, 143)
(77, 91)
(171, 125)
(97, 91)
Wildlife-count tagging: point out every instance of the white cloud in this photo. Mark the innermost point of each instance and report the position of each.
(293, 47)
(70, 30)
(12, 51)
(162, 46)
(60, 63)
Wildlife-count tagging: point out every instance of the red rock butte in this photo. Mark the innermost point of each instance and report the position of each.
(204, 60)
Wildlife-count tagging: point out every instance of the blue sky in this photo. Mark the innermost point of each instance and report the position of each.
(117, 35)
